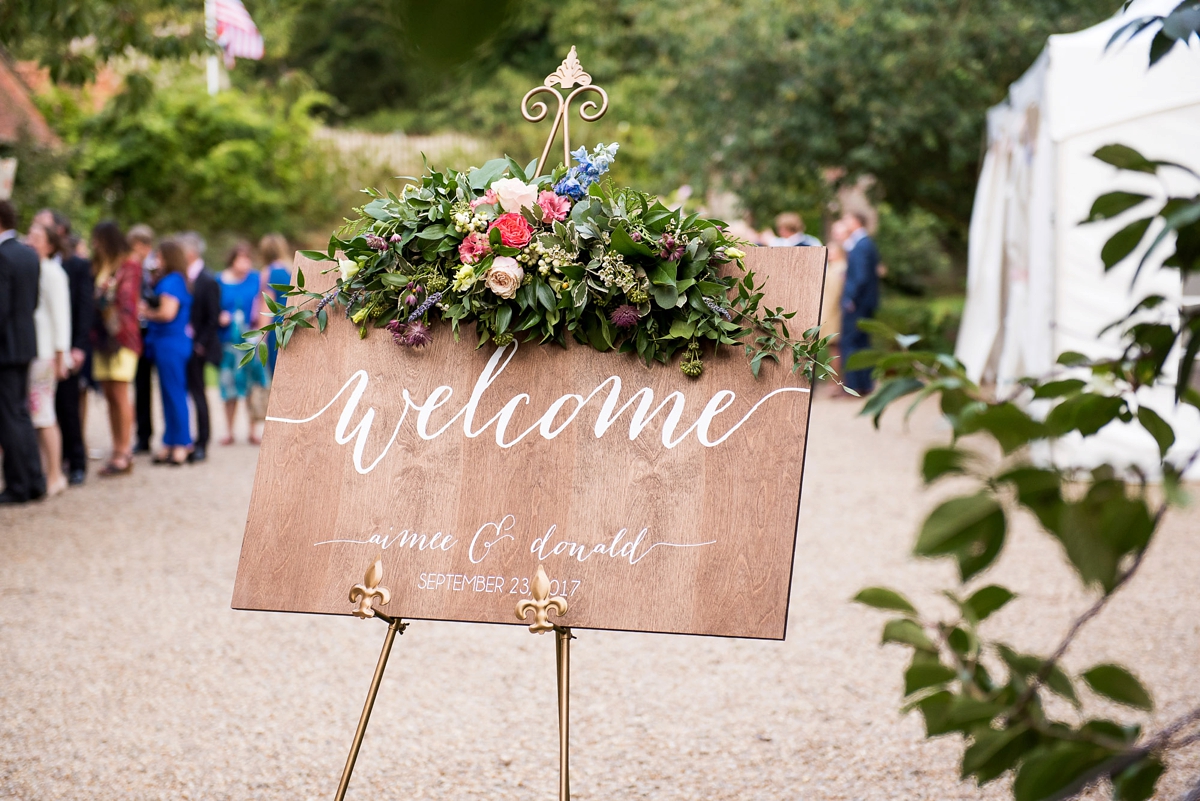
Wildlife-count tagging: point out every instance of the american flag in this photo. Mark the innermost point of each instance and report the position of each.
(237, 34)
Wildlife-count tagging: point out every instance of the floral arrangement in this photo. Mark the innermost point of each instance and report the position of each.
(544, 258)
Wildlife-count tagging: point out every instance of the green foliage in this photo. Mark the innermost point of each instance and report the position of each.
(934, 321)
(915, 260)
(1103, 520)
(620, 271)
(1177, 27)
(74, 38)
(236, 162)
(896, 90)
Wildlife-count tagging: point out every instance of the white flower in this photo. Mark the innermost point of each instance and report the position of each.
(504, 277)
(464, 278)
(514, 194)
(348, 268)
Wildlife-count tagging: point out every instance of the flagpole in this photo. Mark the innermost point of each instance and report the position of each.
(210, 30)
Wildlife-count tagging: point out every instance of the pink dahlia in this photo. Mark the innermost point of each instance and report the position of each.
(624, 316)
(489, 199)
(474, 248)
(554, 207)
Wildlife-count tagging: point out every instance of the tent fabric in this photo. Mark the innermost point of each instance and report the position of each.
(1036, 286)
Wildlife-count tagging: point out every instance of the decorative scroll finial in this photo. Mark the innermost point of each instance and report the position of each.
(569, 74)
(369, 591)
(541, 603)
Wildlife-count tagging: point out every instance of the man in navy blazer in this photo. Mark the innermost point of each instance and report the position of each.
(860, 297)
(20, 270)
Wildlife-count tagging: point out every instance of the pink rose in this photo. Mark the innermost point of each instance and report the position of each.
(515, 230)
(489, 199)
(474, 248)
(504, 277)
(554, 207)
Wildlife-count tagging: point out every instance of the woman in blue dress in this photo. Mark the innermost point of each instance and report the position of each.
(274, 250)
(241, 288)
(169, 344)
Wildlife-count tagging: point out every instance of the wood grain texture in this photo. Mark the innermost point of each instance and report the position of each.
(319, 515)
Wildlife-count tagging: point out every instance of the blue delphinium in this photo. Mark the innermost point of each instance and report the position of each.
(588, 170)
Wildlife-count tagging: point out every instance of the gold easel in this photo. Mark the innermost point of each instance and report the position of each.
(541, 604)
(570, 77)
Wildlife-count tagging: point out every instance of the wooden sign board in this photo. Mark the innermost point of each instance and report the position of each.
(655, 502)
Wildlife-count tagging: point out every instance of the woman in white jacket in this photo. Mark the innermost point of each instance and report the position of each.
(52, 320)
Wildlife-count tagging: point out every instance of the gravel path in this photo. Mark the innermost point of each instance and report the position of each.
(125, 675)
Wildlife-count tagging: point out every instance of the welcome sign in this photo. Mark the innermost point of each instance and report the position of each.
(654, 502)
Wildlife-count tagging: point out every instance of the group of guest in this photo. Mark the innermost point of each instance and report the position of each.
(139, 306)
(851, 282)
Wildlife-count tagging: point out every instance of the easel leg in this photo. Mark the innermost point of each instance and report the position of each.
(394, 626)
(562, 652)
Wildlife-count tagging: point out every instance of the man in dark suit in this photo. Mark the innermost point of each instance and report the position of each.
(206, 336)
(141, 245)
(20, 271)
(860, 297)
(70, 390)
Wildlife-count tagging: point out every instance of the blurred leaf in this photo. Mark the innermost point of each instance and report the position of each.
(971, 528)
(883, 598)
(1137, 782)
(1124, 157)
(1113, 203)
(1010, 426)
(923, 675)
(888, 392)
(1123, 242)
(1069, 358)
(907, 632)
(1101, 528)
(993, 752)
(1053, 767)
(1086, 413)
(1118, 684)
(984, 602)
(939, 462)
(1057, 389)
(1158, 428)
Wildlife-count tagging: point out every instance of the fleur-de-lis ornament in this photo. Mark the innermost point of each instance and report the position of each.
(541, 603)
(568, 77)
(369, 591)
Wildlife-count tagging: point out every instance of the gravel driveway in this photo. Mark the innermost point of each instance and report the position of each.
(125, 675)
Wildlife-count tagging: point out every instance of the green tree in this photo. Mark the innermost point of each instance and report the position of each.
(74, 38)
(235, 162)
(897, 90)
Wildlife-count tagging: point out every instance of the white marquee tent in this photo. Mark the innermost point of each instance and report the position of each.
(1036, 286)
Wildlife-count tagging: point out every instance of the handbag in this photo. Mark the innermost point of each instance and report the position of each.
(256, 402)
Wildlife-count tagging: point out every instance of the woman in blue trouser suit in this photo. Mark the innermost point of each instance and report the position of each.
(169, 344)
